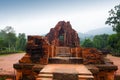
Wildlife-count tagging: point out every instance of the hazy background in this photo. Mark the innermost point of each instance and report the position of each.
(38, 16)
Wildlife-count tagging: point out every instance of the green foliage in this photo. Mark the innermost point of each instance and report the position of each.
(100, 41)
(114, 44)
(114, 21)
(8, 37)
(104, 42)
(21, 41)
(113, 40)
(87, 43)
(114, 18)
(9, 42)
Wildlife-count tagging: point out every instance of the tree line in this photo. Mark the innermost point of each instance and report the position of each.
(105, 41)
(10, 42)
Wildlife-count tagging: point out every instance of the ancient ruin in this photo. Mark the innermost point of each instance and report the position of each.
(58, 56)
(63, 35)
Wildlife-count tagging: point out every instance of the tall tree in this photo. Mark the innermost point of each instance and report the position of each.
(114, 19)
(21, 41)
(9, 42)
(3, 42)
(8, 36)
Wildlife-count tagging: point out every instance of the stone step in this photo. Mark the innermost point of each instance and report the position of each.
(85, 77)
(65, 60)
(45, 75)
(44, 79)
(65, 72)
(63, 55)
(59, 76)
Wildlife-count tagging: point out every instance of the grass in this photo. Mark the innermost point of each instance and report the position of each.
(8, 53)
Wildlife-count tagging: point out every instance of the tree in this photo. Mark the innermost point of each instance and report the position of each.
(8, 38)
(11, 39)
(2, 39)
(9, 29)
(112, 41)
(87, 43)
(100, 41)
(9, 42)
(1, 43)
(21, 41)
(114, 19)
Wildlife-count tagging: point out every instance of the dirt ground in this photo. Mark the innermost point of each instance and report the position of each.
(116, 61)
(7, 61)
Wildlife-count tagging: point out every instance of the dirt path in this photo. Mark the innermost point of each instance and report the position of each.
(7, 61)
(116, 61)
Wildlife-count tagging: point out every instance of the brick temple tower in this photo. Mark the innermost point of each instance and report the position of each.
(63, 35)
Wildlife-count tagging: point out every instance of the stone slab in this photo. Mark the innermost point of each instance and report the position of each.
(44, 79)
(66, 68)
(85, 77)
(107, 67)
(45, 75)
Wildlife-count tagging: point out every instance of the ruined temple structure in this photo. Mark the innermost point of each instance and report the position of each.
(63, 35)
(58, 56)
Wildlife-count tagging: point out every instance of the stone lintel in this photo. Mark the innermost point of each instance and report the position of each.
(23, 65)
(104, 67)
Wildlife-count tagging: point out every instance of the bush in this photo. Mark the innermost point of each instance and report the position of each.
(3, 78)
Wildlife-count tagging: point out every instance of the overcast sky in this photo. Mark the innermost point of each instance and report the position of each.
(36, 17)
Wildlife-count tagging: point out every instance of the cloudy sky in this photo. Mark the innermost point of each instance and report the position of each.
(36, 17)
